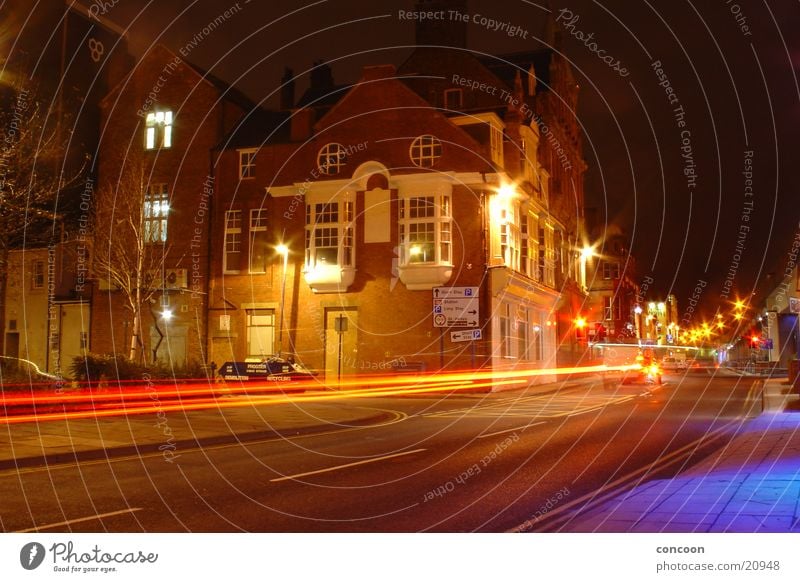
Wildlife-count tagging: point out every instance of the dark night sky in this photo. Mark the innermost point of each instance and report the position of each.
(739, 93)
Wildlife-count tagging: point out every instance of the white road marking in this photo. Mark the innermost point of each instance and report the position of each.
(347, 465)
(491, 434)
(79, 520)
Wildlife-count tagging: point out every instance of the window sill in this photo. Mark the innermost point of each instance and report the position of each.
(425, 277)
(329, 279)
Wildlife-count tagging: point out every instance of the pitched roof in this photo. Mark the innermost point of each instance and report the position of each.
(507, 66)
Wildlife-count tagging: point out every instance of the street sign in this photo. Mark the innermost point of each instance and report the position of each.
(766, 344)
(455, 292)
(465, 335)
(456, 307)
(794, 305)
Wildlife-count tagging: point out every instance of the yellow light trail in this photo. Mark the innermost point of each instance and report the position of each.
(377, 387)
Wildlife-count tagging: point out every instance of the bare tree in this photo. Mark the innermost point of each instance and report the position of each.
(127, 247)
(33, 155)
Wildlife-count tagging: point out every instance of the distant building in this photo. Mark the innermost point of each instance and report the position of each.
(47, 309)
(64, 59)
(610, 312)
(781, 307)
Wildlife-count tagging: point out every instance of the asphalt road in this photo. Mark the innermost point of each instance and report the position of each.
(454, 464)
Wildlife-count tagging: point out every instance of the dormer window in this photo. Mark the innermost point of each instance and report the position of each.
(453, 99)
(158, 130)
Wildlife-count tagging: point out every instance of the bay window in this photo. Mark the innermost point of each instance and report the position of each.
(329, 244)
(425, 229)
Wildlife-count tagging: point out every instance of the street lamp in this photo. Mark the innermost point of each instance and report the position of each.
(282, 250)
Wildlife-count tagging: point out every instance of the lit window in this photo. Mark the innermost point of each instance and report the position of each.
(37, 275)
(247, 164)
(260, 333)
(425, 151)
(329, 234)
(233, 241)
(426, 230)
(158, 130)
(550, 257)
(259, 249)
(510, 236)
(332, 158)
(537, 348)
(156, 209)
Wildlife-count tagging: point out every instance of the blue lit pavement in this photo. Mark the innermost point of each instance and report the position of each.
(750, 485)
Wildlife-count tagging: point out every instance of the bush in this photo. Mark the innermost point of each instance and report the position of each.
(97, 367)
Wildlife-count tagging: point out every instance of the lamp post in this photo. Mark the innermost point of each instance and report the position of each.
(282, 250)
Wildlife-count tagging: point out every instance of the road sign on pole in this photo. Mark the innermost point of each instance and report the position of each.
(456, 307)
(465, 335)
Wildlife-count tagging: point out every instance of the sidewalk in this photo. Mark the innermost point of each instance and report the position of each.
(36, 444)
(751, 485)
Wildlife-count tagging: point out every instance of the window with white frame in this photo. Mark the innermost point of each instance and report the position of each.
(523, 342)
(231, 258)
(510, 236)
(38, 275)
(525, 244)
(425, 151)
(158, 130)
(541, 255)
(247, 164)
(156, 209)
(259, 248)
(550, 257)
(608, 308)
(537, 343)
(426, 229)
(260, 333)
(505, 331)
(331, 159)
(496, 144)
(329, 234)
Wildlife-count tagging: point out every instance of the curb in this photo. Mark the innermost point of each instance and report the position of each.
(138, 450)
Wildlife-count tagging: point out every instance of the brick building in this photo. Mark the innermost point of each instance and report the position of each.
(160, 124)
(358, 227)
(396, 198)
